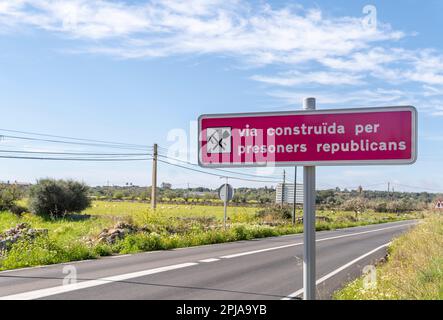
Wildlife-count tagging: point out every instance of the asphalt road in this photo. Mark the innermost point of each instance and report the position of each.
(259, 269)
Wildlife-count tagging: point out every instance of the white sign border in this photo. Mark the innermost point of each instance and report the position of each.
(414, 138)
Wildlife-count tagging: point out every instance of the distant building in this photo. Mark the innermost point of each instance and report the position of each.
(288, 194)
(439, 205)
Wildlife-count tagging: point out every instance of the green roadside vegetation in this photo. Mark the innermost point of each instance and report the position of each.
(73, 237)
(59, 221)
(413, 270)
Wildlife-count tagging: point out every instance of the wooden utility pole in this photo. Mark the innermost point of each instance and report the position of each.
(154, 178)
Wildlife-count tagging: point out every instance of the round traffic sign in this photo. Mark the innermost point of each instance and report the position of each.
(226, 190)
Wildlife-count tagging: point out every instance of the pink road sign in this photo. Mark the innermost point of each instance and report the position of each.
(373, 136)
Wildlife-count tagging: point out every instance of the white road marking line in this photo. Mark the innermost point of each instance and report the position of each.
(363, 232)
(336, 271)
(209, 260)
(42, 293)
(63, 264)
(120, 256)
(241, 254)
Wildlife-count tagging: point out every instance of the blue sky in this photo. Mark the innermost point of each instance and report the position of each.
(132, 71)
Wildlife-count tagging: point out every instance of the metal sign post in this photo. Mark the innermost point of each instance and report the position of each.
(226, 193)
(309, 278)
(225, 217)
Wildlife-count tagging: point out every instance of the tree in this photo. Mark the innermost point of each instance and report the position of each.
(166, 186)
(357, 205)
(169, 194)
(56, 198)
(186, 196)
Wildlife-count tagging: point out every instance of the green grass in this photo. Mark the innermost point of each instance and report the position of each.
(149, 242)
(67, 229)
(414, 270)
(137, 210)
(171, 226)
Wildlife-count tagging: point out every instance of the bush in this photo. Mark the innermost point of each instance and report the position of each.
(57, 198)
(379, 206)
(140, 242)
(401, 206)
(276, 212)
(9, 194)
(118, 195)
(397, 206)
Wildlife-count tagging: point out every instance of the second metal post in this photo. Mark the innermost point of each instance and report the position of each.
(225, 218)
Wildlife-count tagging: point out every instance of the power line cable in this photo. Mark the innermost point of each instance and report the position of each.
(77, 139)
(221, 170)
(73, 153)
(165, 150)
(416, 187)
(373, 185)
(76, 159)
(212, 174)
(72, 142)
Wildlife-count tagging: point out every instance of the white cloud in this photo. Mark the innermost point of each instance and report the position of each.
(321, 77)
(430, 91)
(370, 60)
(260, 34)
(394, 65)
(358, 98)
(320, 50)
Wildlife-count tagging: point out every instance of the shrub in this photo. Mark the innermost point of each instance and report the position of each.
(9, 194)
(118, 195)
(140, 242)
(56, 198)
(242, 233)
(102, 250)
(379, 206)
(401, 206)
(397, 206)
(276, 212)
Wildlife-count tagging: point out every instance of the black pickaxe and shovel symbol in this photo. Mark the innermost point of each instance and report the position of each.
(218, 139)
